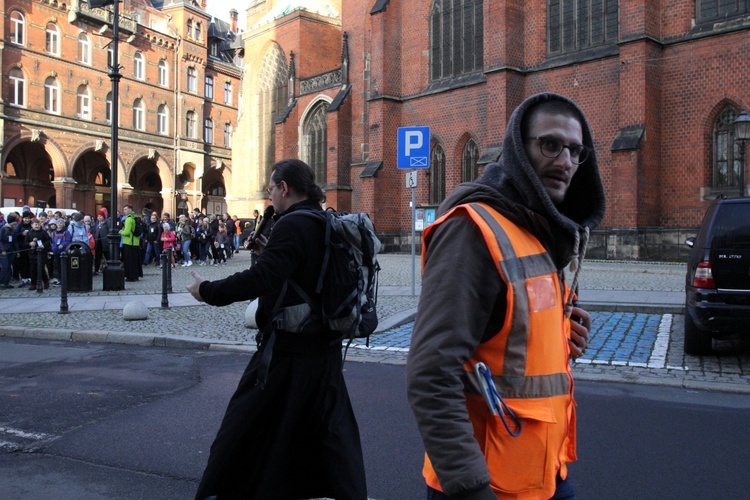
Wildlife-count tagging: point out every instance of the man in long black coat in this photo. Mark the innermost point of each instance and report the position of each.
(289, 430)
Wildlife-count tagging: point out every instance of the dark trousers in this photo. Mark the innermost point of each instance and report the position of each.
(152, 250)
(6, 264)
(34, 267)
(100, 252)
(21, 265)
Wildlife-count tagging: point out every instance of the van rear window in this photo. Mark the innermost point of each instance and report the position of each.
(732, 226)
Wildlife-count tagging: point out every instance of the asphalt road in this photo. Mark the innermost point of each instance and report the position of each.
(105, 421)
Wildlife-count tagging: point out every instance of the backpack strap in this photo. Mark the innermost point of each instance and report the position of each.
(276, 324)
(327, 253)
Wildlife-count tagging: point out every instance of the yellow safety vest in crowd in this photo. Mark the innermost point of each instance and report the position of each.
(528, 359)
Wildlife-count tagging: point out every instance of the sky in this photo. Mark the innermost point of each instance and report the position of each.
(220, 9)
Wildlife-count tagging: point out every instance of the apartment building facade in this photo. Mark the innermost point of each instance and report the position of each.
(178, 97)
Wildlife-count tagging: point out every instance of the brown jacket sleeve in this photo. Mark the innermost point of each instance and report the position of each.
(460, 291)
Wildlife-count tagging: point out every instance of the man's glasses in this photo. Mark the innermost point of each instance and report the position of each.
(551, 148)
(270, 187)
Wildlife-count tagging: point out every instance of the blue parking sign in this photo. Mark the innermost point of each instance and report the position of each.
(413, 147)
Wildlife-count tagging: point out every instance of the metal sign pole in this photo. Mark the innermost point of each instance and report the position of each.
(413, 145)
(413, 236)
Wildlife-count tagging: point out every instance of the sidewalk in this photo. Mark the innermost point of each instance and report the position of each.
(640, 302)
(604, 286)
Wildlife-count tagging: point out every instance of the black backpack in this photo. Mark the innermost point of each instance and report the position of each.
(347, 287)
(140, 228)
(348, 282)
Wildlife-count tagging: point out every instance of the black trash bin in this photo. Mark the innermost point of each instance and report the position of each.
(80, 276)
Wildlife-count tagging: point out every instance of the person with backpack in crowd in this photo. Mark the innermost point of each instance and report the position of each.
(79, 232)
(131, 245)
(289, 430)
(185, 232)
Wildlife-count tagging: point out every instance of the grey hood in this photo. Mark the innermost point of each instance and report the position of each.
(512, 186)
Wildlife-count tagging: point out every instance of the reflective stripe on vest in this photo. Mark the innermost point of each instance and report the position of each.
(524, 265)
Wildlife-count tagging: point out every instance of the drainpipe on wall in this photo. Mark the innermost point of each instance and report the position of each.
(177, 114)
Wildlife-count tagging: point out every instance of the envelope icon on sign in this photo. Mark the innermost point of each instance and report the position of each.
(419, 161)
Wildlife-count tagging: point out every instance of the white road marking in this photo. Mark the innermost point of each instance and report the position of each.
(658, 357)
(25, 435)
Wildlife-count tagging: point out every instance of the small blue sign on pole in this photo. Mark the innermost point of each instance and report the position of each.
(413, 147)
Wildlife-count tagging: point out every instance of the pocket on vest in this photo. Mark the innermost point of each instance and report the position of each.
(519, 464)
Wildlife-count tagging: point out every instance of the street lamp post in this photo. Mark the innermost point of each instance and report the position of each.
(742, 135)
(114, 274)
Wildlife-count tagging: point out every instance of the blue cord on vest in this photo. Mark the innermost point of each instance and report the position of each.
(494, 400)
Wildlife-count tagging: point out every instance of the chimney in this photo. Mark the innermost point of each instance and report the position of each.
(233, 17)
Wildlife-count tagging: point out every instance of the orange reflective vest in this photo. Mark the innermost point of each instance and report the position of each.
(528, 359)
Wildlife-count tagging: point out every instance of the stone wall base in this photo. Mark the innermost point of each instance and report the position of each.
(644, 244)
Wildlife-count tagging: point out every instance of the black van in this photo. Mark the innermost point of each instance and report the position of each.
(717, 287)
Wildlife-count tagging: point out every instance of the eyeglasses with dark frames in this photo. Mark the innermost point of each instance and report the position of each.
(551, 148)
(269, 189)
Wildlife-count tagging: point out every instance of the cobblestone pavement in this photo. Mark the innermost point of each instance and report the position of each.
(630, 346)
(198, 321)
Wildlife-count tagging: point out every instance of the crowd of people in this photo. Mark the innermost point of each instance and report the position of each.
(194, 238)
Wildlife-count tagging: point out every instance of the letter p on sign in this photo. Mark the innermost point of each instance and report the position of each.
(413, 141)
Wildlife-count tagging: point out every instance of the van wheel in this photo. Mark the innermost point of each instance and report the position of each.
(697, 341)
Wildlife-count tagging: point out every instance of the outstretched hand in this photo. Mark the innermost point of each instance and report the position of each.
(195, 287)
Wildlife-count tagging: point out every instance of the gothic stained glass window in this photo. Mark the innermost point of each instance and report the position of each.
(316, 140)
(574, 25)
(714, 10)
(726, 153)
(469, 167)
(437, 175)
(273, 78)
(456, 38)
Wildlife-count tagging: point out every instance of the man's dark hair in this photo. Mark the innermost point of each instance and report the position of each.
(299, 176)
(129, 206)
(551, 107)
